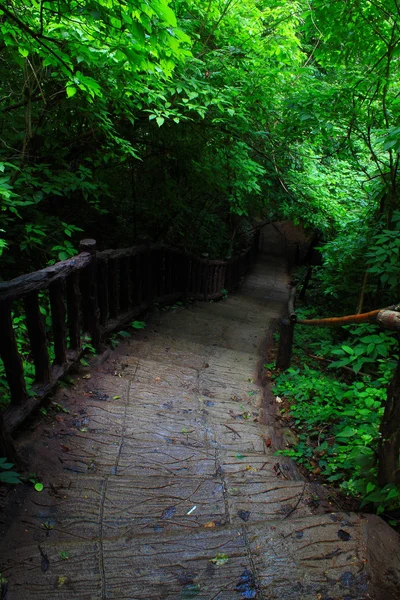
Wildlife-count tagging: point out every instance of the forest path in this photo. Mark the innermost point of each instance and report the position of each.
(162, 483)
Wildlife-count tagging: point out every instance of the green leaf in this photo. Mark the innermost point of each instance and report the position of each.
(347, 432)
(71, 91)
(348, 349)
(39, 487)
(10, 477)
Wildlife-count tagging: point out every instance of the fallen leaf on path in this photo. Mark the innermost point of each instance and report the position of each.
(219, 559)
(168, 512)
(244, 515)
(343, 535)
(44, 563)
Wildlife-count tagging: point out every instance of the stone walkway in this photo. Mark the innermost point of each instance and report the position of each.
(162, 482)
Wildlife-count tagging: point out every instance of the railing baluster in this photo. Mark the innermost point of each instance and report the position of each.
(9, 353)
(125, 284)
(37, 337)
(169, 288)
(148, 276)
(113, 296)
(137, 280)
(102, 289)
(186, 277)
(73, 311)
(58, 313)
(90, 290)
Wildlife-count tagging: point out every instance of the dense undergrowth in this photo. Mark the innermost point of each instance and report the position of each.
(333, 397)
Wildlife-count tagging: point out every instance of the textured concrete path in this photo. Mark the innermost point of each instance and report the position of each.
(162, 483)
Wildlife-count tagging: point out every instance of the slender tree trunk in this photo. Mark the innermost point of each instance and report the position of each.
(389, 444)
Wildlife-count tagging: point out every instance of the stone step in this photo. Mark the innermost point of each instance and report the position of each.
(322, 556)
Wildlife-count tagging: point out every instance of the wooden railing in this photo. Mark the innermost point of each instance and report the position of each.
(96, 293)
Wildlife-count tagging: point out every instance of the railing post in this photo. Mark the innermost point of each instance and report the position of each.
(285, 345)
(37, 337)
(58, 312)
(286, 334)
(73, 310)
(90, 290)
(102, 290)
(10, 355)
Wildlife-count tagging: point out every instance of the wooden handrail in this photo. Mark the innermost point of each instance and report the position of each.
(39, 280)
(98, 293)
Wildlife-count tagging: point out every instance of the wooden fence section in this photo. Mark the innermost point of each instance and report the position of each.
(97, 293)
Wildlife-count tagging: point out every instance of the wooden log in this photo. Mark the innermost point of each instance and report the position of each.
(285, 344)
(39, 280)
(389, 319)
(126, 252)
(11, 358)
(58, 313)
(73, 310)
(91, 301)
(102, 290)
(37, 337)
(389, 441)
(113, 288)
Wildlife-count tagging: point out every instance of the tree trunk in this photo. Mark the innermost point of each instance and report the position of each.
(389, 444)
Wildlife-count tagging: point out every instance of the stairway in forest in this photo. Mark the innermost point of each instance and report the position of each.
(162, 482)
